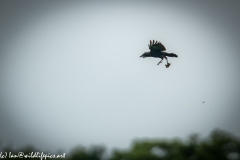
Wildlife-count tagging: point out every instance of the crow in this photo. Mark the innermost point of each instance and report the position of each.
(157, 51)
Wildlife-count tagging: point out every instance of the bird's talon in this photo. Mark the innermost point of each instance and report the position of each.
(167, 65)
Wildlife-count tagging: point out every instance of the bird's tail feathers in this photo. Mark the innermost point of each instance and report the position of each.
(171, 55)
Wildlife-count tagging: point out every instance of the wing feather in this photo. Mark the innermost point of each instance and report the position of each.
(157, 46)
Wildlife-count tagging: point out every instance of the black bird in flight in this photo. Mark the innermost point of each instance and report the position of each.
(157, 51)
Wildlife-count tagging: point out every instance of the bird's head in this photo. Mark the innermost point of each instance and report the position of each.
(145, 54)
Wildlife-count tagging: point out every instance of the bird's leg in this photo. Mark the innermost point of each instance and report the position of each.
(166, 59)
(160, 61)
(168, 64)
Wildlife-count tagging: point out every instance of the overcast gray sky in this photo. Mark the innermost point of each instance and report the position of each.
(71, 72)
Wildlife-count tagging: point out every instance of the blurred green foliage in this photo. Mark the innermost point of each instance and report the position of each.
(219, 145)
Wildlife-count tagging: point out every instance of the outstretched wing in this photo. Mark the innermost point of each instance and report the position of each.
(156, 46)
